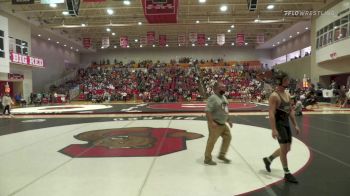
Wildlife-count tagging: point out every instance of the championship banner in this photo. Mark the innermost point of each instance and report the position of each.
(160, 11)
(22, 1)
(87, 42)
(143, 40)
(162, 40)
(151, 37)
(105, 42)
(201, 39)
(327, 93)
(240, 39)
(124, 41)
(192, 37)
(181, 39)
(260, 39)
(221, 39)
(26, 60)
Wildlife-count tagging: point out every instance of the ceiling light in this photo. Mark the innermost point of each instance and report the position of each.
(115, 46)
(108, 29)
(206, 44)
(232, 26)
(246, 43)
(232, 44)
(141, 46)
(71, 48)
(65, 45)
(197, 21)
(284, 40)
(101, 47)
(65, 13)
(57, 42)
(270, 7)
(306, 28)
(49, 39)
(273, 45)
(113, 34)
(290, 36)
(179, 44)
(278, 42)
(298, 32)
(193, 45)
(136, 40)
(256, 20)
(202, 1)
(229, 31)
(83, 25)
(53, 5)
(128, 46)
(139, 23)
(126, 2)
(39, 35)
(77, 50)
(153, 45)
(208, 38)
(110, 11)
(166, 45)
(223, 8)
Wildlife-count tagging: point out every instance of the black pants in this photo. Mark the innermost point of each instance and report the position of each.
(6, 108)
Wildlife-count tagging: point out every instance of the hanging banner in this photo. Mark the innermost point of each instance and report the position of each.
(86, 42)
(240, 39)
(260, 39)
(105, 42)
(143, 40)
(221, 39)
(160, 11)
(162, 40)
(15, 76)
(192, 37)
(181, 39)
(124, 41)
(201, 39)
(151, 36)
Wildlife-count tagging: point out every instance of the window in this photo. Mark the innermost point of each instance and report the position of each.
(21, 47)
(330, 37)
(344, 31)
(2, 50)
(344, 20)
(317, 42)
(321, 38)
(337, 34)
(325, 39)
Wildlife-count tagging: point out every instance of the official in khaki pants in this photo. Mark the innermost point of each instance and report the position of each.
(218, 115)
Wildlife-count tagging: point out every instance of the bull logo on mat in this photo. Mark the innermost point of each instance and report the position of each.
(130, 142)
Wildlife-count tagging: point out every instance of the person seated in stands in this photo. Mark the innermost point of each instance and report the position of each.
(310, 100)
(342, 96)
(37, 99)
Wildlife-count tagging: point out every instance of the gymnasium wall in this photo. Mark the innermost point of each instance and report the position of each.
(294, 44)
(296, 68)
(58, 61)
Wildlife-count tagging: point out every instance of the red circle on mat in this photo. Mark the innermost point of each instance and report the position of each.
(197, 106)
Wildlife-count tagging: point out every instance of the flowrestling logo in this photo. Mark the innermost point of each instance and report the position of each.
(308, 13)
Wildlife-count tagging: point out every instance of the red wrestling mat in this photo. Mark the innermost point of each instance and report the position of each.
(197, 106)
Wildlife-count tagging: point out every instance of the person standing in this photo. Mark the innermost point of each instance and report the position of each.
(7, 102)
(217, 114)
(280, 111)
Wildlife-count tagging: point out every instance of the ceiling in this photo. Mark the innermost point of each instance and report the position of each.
(125, 19)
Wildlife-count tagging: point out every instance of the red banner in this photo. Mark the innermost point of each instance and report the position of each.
(201, 39)
(162, 40)
(151, 36)
(26, 60)
(160, 11)
(87, 42)
(240, 39)
(124, 41)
